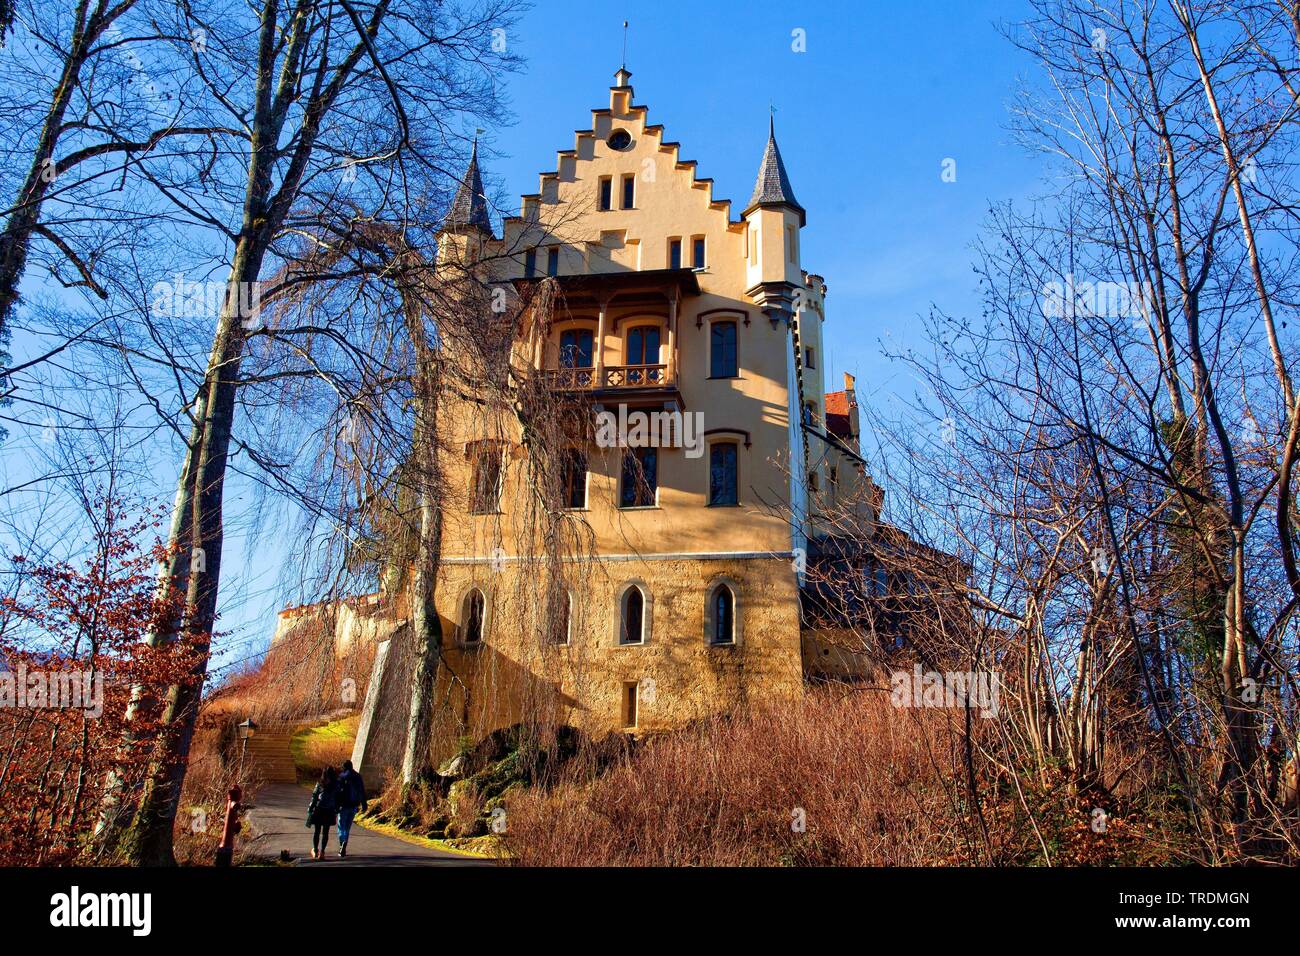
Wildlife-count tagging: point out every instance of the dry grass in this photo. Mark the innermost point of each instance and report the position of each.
(212, 772)
(876, 786)
(325, 745)
(870, 783)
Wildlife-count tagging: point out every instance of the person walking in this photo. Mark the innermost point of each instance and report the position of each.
(322, 811)
(352, 794)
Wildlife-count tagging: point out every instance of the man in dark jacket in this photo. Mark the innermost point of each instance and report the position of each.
(352, 794)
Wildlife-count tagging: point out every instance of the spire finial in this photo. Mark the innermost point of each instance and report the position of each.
(773, 185)
(469, 205)
(623, 79)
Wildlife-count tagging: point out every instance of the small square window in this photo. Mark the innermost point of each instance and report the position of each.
(560, 616)
(722, 474)
(485, 480)
(575, 479)
(640, 486)
(722, 350)
(629, 703)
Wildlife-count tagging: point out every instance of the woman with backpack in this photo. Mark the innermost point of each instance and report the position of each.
(322, 811)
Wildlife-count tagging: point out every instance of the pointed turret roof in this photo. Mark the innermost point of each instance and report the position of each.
(469, 208)
(773, 185)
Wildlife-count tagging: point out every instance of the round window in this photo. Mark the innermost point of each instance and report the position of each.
(620, 139)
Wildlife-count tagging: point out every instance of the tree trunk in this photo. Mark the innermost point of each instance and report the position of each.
(17, 236)
(424, 611)
(150, 840)
(173, 571)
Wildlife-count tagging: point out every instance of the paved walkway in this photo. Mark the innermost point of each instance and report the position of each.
(279, 816)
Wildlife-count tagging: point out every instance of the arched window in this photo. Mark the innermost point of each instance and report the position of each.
(475, 612)
(724, 616)
(632, 617)
(643, 345)
(577, 348)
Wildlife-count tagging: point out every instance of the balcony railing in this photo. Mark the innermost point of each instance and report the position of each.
(636, 376)
(614, 377)
(571, 379)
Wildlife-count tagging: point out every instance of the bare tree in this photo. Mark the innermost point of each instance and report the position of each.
(337, 94)
(105, 82)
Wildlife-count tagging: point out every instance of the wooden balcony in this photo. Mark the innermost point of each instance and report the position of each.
(635, 376)
(635, 383)
(570, 379)
(611, 377)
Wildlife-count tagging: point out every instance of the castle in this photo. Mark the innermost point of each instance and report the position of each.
(669, 305)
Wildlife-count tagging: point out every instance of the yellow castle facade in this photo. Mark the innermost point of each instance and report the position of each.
(672, 303)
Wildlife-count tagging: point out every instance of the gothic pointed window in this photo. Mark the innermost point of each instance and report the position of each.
(632, 617)
(723, 616)
(475, 612)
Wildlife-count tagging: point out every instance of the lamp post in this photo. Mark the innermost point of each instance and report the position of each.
(246, 730)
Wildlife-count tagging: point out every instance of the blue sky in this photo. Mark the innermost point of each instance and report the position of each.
(884, 93)
(866, 117)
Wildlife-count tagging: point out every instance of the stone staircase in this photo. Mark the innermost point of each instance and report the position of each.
(268, 751)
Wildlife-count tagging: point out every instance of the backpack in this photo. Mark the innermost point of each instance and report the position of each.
(352, 792)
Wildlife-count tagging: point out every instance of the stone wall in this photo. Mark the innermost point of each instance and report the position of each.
(679, 676)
